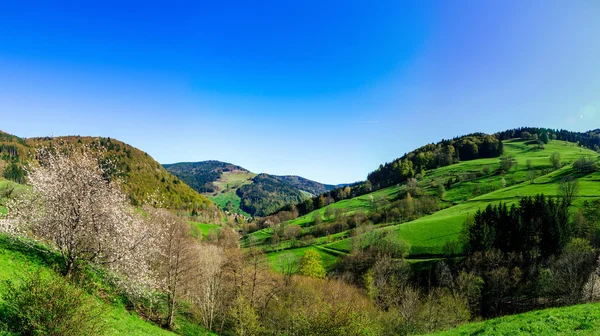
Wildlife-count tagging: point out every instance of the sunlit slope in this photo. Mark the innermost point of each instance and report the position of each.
(17, 259)
(429, 234)
(573, 320)
(141, 175)
(225, 195)
(476, 184)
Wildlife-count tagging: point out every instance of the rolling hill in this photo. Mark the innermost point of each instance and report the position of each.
(468, 186)
(237, 190)
(142, 176)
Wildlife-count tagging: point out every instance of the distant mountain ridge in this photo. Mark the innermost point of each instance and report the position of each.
(201, 175)
(307, 185)
(236, 189)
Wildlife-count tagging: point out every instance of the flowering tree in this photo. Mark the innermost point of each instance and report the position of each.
(74, 208)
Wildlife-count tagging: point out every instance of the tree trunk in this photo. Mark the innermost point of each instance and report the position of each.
(171, 317)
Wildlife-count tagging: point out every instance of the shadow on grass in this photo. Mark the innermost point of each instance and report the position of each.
(558, 176)
(31, 250)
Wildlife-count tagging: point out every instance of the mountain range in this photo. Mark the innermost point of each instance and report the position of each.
(238, 190)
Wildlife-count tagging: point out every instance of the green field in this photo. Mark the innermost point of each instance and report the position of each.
(203, 228)
(276, 259)
(574, 320)
(228, 184)
(479, 184)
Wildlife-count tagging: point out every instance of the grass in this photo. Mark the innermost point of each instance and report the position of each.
(227, 185)
(16, 259)
(203, 228)
(573, 320)
(276, 258)
(479, 184)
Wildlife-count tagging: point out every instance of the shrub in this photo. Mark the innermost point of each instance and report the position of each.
(585, 165)
(47, 304)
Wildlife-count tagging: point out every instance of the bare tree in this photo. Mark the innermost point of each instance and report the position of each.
(555, 160)
(208, 285)
(412, 186)
(531, 175)
(178, 260)
(506, 163)
(568, 189)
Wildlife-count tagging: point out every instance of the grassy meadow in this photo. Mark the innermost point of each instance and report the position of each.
(573, 320)
(228, 184)
(477, 184)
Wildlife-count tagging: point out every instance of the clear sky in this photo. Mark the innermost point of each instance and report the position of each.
(323, 89)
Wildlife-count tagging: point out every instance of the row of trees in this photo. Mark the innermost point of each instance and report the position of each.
(589, 139)
(537, 225)
(444, 153)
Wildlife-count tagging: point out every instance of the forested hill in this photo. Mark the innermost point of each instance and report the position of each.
(237, 190)
(307, 185)
(266, 194)
(13, 150)
(202, 175)
(444, 153)
(142, 176)
(416, 163)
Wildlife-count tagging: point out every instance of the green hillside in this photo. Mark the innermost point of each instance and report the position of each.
(574, 320)
(141, 174)
(203, 176)
(225, 195)
(236, 190)
(16, 259)
(474, 185)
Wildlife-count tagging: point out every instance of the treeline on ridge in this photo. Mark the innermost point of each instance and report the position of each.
(431, 156)
(589, 139)
(444, 153)
(141, 175)
(201, 175)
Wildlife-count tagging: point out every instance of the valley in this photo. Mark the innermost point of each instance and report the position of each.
(406, 218)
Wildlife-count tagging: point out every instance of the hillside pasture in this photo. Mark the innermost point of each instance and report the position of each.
(475, 184)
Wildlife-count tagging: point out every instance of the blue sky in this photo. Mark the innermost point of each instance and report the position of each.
(323, 89)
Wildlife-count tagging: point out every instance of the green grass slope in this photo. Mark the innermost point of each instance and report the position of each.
(573, 320)
(225, 195)
(15, 260)
(478, 183)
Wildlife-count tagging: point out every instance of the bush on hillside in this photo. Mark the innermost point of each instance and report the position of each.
(47, 304)
(585, 165)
